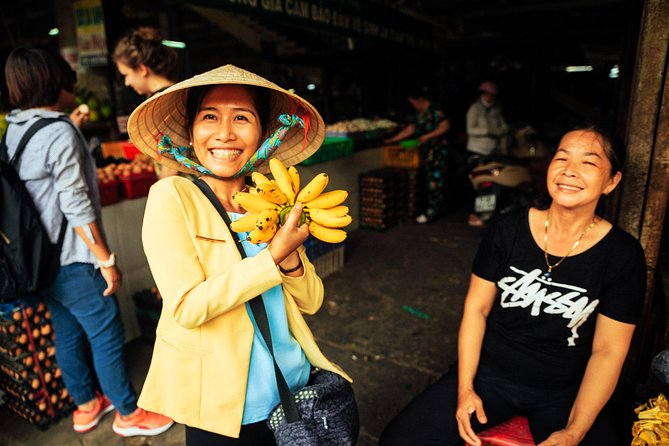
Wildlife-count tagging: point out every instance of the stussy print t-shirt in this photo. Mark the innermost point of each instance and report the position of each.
(540, 330)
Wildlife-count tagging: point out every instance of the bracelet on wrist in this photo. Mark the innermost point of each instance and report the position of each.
(291, 270)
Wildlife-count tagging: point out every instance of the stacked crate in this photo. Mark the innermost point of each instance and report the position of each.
(383, 198)
(29, 375)
(327, 258)
(415, 192)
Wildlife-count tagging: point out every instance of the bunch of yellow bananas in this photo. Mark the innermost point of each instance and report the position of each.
(270, 201)
(652, 429)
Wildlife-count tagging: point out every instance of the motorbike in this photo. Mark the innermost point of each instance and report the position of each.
(506, 182)
(501, 185)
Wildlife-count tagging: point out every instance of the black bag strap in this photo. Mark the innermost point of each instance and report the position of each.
(38, 125)
(260, 315)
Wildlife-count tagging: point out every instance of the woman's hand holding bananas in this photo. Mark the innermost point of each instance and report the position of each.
(270, 203)
(288, 237)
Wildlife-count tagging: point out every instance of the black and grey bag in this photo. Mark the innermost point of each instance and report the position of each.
(327, 414)
(324, 413)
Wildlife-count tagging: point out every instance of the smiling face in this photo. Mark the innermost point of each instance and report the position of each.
(135, 78)
(226, 129)
(580, 171)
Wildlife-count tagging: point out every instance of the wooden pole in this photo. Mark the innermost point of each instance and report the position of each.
(645, 189)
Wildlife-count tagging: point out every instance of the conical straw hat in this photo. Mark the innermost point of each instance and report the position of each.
(165, 114)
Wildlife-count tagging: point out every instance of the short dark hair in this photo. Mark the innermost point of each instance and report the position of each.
(261, 101)
(36, 76)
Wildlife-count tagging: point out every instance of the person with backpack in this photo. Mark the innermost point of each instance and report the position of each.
(59, 175)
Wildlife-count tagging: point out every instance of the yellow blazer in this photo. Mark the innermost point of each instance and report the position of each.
(200, 362)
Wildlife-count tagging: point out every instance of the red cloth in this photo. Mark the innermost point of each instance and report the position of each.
(515, 432)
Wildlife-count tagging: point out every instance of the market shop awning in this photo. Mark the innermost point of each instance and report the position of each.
(357, 19)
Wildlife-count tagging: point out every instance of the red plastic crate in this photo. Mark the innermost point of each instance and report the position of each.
(138, 185)
(129, 150)
(108, 192)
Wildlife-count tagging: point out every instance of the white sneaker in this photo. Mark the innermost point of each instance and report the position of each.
(422, 218)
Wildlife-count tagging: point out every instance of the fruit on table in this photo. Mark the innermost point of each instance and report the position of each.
(141, 164)
(359, 125)
(270, 201)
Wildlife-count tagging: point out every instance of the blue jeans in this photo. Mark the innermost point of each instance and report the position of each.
(80, 313)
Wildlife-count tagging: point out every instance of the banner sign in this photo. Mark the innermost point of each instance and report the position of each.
(355, 18)
(91, 36)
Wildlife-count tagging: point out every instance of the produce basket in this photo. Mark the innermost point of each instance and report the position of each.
(409, 143)
(394, 156)
(137, 185)
(332, 148)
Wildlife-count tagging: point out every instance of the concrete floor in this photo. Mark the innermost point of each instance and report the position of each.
(390, 319)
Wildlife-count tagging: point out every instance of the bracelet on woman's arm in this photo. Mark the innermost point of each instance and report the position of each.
(291, 270)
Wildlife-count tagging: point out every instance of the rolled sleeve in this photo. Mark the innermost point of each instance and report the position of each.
(66, 165)
(307, 289)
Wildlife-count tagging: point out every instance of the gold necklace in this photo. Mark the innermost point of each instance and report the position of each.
(547, 274)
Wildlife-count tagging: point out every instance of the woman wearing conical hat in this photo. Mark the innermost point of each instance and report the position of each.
(210, 368)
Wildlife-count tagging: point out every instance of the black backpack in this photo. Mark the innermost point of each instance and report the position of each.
(29, 261)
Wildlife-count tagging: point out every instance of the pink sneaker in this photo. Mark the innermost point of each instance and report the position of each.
(141, 422)
(84, 421)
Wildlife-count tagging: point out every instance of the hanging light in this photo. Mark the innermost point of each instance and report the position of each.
(54, 31)
(578, 68)
(174, 44)
(614, 72)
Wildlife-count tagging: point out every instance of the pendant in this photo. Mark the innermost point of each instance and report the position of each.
(546, 275)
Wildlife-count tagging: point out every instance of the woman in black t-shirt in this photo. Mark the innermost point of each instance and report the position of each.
(552, 304)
